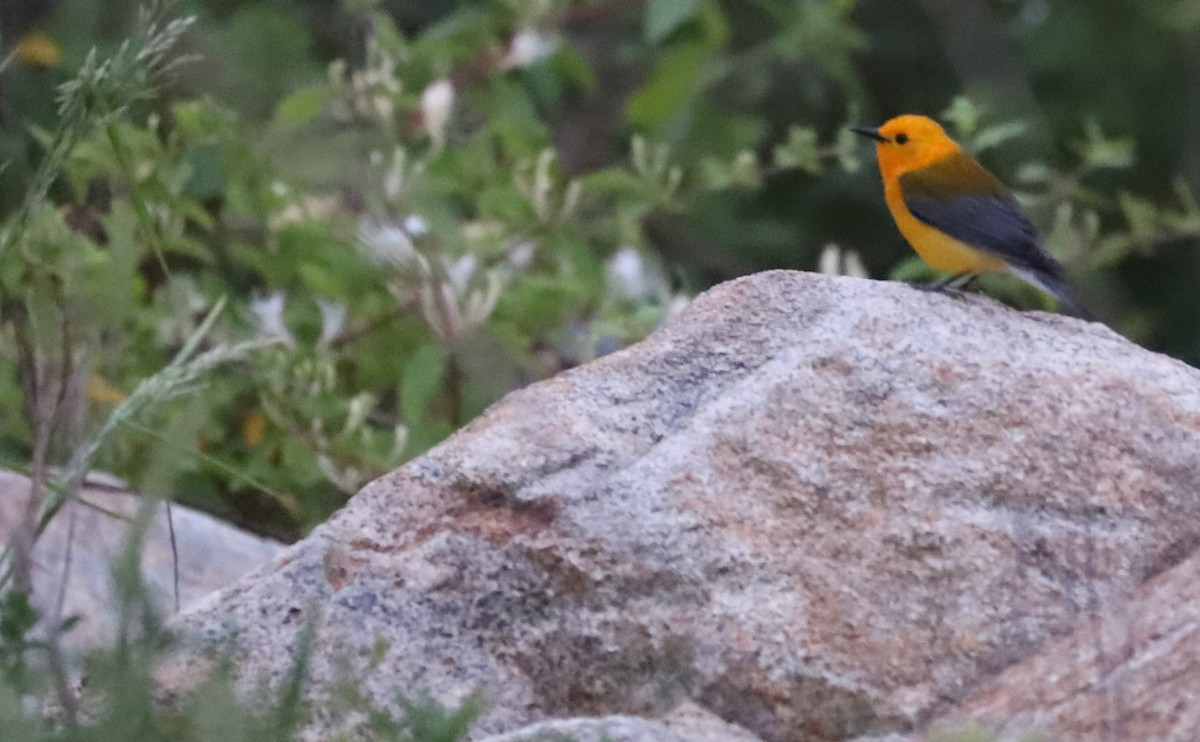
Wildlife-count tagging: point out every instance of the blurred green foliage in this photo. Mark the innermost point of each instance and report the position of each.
(425, 205)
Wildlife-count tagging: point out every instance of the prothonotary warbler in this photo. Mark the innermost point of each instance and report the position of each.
(957, 216)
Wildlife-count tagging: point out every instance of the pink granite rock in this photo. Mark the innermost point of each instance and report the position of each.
(1132, 673)
(817, 507)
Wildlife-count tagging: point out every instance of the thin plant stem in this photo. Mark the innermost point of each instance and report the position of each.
(135, 197)
(174, 553)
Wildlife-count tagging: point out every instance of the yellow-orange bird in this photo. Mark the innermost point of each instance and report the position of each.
(958, 216)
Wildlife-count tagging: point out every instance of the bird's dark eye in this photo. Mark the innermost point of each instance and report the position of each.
(901, 139)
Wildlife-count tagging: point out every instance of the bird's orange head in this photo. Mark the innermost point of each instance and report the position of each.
(908, 143)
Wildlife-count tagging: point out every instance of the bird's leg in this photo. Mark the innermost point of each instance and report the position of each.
(949, 283)
(959, 281)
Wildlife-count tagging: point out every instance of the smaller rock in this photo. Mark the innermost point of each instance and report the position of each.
(211, 555)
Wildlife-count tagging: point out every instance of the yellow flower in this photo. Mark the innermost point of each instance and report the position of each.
(38, 50)
(254, 428)
(99, 390)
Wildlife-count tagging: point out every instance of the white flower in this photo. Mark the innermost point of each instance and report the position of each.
(437, 102)
(457, 303)
(479, 304)
(632, 278)
(837, 262)
(830, 260)
(460, 272)
(356, 412)
(520, 253)
(384, 107)
(527, 46)
(389, 244)
(333, 320)
(309, 207)
(400, 441)
(268, 310)
(395, 177)
(854, 265)
(416, 225)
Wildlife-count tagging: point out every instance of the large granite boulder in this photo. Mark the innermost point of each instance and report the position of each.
(818, 508)
(1130, 673)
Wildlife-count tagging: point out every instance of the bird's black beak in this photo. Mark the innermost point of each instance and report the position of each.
(869, 133)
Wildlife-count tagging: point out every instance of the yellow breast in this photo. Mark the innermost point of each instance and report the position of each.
(941, 251)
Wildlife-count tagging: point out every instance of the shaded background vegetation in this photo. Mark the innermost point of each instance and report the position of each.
(427, 204)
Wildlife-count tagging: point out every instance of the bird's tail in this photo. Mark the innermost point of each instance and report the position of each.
(1056, 286)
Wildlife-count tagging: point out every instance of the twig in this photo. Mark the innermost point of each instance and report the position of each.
(57, 666)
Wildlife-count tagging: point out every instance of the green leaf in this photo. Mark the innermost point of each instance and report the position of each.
(847, 150)
(613, 181)
(672, 83)
(714, 27)
(265, 52)
(539, 304)
(421, 380)
(17, 617)
(962, 115)
(302, 106)
(664, 16)
(997, 134)
(321, 281)
(207, 179)
(572, 69)
(1141, 215)
(800, 151)
(1100, 151)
